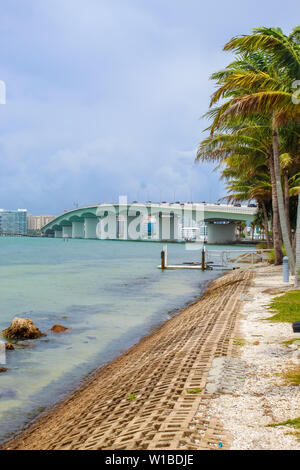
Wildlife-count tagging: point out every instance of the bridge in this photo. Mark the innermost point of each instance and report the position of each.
(126, 220)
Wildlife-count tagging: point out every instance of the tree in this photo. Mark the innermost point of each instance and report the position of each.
(245, 155)
(259, 83)
(274, 96)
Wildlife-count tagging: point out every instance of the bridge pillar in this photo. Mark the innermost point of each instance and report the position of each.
(67, 231)
(90, 227)
(174, 228)
(221, 233)
(107, 227)
(134, 230)
(167, 227)
(77, 230)
(57, 233)
(163, 227)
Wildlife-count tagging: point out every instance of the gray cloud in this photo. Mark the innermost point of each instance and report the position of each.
(104, 97)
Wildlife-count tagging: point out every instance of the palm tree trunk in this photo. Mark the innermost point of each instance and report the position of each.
(266, 224)
(287, 203)
(297, 270)
(275, 218)
(281, 209)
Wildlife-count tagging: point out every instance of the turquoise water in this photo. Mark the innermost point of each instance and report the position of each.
(109, 293)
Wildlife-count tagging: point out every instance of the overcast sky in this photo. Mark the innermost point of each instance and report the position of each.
(104, 97)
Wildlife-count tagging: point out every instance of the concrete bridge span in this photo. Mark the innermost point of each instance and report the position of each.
(126, 221)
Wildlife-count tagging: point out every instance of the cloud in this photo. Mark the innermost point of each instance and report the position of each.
(105, 97)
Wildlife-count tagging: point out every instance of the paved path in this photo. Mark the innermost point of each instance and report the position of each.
(160, 371)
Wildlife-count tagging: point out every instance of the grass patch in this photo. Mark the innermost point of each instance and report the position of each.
(262, 246)
(271, 254)
(295, 423)
(286, 306)
(292, 341)
(194, 390)
(131, 396)
(292, 376)
(239, 341)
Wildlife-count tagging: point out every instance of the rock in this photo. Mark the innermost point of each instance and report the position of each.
(9, 347)
(59, 329)
(22, 328)
(3, 369)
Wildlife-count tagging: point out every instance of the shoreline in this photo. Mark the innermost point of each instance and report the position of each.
(85, 381)
(212, 374)
(38, 435)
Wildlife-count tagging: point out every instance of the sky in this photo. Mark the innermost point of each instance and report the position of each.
(106, 97)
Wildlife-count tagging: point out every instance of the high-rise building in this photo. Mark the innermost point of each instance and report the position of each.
(36, 222)
(13, 222)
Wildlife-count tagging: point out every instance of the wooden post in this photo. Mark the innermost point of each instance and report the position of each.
(203, 259)
(162, 255)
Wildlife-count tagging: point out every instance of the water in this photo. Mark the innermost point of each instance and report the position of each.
(109, 293)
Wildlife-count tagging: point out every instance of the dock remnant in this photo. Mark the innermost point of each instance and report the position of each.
(164, 257)
(203, 259)
(203, 265)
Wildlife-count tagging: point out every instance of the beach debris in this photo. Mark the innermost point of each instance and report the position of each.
(22, 328)
(59, 329)
(3, 369)
(9, 347)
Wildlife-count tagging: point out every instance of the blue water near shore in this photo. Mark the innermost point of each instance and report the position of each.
(109, 293)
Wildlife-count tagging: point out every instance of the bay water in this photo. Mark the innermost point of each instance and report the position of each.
(108, 293)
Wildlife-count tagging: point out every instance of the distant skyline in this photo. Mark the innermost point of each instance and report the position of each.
(104, 97)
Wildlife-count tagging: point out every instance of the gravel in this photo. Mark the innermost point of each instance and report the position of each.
(261, 398)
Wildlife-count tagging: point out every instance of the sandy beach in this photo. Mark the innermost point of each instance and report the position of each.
(198, 382)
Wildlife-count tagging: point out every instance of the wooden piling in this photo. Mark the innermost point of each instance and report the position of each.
(203, 259)
(163, 263)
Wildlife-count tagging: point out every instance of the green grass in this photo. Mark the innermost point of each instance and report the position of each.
(286, 306)
(131, 396)
(194, 390)
(239, 341)
(295, 423)
(292, 376)
(292, 341)
(262, 246)
(271, 254)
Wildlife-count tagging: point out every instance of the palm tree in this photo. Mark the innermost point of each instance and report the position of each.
(232, 83)
(248, 183)
(262, 85)
(248, 146)
(269, 93)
